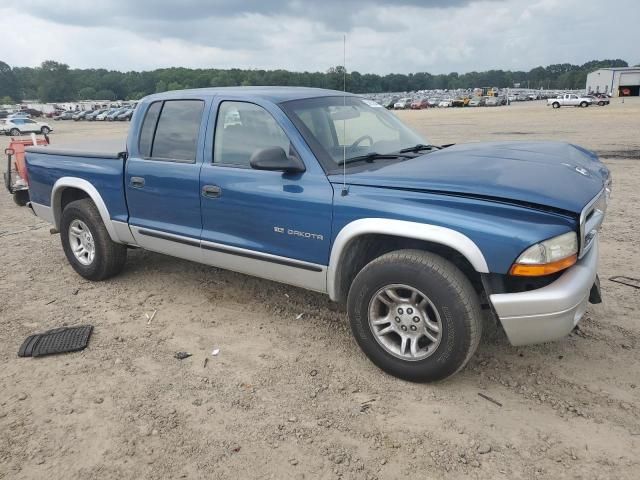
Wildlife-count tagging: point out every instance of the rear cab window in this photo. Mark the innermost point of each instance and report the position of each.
(170, 130)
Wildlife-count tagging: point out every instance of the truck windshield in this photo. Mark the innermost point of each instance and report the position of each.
(350, 129)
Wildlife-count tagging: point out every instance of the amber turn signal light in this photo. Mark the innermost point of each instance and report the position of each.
(524, 270)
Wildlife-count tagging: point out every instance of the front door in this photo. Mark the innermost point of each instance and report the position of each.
(265, 223)
(162, 178)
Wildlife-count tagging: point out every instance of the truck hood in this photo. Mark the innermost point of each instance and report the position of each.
(548, 174)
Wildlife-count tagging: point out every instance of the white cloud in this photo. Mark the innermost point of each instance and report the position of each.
(383, 37)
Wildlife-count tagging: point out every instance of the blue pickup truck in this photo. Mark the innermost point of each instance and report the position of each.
(331, 192)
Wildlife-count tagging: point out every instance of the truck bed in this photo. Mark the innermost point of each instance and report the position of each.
(103, 149)
(99, 163)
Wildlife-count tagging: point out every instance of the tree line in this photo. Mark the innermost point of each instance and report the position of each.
(56, 82)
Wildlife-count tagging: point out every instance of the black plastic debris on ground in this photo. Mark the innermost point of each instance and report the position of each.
(58, 340)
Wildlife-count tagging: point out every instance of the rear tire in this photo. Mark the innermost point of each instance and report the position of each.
(433, 303)
(90, 235)
(584, 104)
(21, 197)
(556, 105)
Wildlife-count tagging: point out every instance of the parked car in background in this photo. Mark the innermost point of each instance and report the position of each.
(3, 114)
(54, 113)
(103, 116)
(402, 104)
(65, 116)
(19, 115)
(477, 102)
(570, 100)
(420, 104)
(80, 115)
(114, 114)
(18, 126)
(389, 103)
(445, 103)
(125, 116)
(600, 99)
(493, 101)
(92, 116)
(32, 112)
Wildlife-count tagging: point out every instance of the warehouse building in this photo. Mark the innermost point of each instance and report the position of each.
(617, 82)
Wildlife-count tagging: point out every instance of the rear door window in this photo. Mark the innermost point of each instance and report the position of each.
(149, 129)
(170, 130)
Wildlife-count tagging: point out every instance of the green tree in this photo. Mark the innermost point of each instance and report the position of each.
(54, 82)
(8, 83)
(174, 86)
(105, 94)
(87, 93)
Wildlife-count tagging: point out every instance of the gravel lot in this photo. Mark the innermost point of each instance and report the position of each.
(293, 397)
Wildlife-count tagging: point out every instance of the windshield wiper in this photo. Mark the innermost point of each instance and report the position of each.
(419, 147)
(370, 157)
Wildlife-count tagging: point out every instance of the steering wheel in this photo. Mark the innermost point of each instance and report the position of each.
(360, 140)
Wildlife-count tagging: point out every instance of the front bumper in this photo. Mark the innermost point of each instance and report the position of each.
(551, 312)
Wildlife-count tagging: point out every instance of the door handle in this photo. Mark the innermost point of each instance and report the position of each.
(211, 191)
(136, 182)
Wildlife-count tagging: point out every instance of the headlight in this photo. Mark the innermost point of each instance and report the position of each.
(547, 257)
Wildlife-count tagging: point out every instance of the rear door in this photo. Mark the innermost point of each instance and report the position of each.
(270, 224)
(162, 177)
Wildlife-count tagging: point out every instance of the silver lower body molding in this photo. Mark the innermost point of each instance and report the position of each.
(307, 275)
(44, 212)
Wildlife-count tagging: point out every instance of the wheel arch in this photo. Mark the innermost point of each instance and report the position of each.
(377, 236)
(67, 189)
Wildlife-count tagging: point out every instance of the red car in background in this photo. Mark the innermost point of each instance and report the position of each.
(54, 113)
(419, 104)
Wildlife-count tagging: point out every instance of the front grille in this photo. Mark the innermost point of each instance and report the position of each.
(591, 220)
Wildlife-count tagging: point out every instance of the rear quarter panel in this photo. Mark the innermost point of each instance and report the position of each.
(104, 173)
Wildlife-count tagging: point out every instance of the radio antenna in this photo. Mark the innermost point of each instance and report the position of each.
(344, 121)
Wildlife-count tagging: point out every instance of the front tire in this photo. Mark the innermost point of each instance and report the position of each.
(14, 132)
(45, 130)
(415, 315)
(86, 242)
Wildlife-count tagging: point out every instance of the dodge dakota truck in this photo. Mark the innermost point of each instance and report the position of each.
(331, 192)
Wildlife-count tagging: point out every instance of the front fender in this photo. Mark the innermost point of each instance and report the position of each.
(400, 228)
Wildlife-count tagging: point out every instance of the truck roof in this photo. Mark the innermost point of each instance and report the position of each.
(272, 94)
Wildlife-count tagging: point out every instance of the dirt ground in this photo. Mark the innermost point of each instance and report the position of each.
(290, 395)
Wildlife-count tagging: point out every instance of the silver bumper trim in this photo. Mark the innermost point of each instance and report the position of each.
(551, 312)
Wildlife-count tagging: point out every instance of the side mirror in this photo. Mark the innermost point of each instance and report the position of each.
(275, 158)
